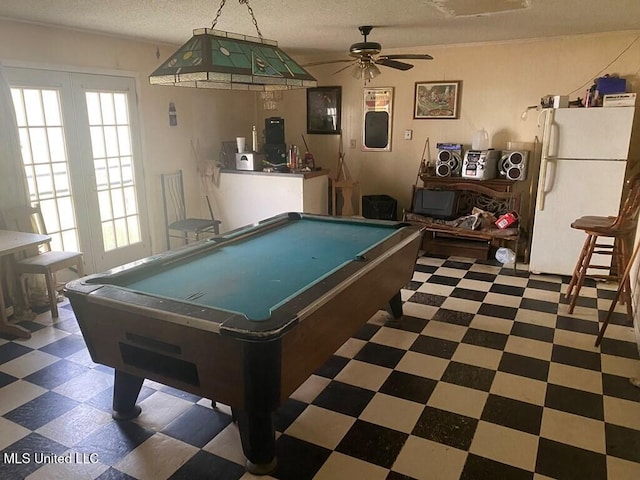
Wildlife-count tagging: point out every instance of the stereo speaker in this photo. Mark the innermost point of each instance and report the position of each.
(274, 130)
(449, 160)
(513, 164)
(276, 154)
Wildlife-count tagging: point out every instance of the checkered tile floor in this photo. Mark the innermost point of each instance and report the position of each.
(487, 377)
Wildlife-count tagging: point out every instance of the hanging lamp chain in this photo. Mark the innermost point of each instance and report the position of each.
(245, 2)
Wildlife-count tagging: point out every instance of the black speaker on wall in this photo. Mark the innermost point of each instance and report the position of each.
(274, 130)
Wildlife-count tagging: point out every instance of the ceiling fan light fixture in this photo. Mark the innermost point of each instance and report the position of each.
(371, 72)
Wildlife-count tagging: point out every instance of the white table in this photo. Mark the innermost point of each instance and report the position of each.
(10, 243)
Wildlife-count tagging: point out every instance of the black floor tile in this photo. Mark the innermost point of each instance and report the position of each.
(619, 387)
(41, 410)
(499, 311)
(483, 338)
(409, 387)
(469, 376)
(332, 367)
(480, 468)
(467, 294)
(372, 443)
(539, 305)
(577, 325)
(202, 465)
(534, 332)
(574, 401)
(438, 347)
(29, 453)
(413, 285)
(114, 474)
(113, 441)
(524, 366)
(511, 413)
(409, 324)
(65, 346)
(480, 276)
(367, 331)
(565, 462)
(427, 299)
(56, 374)
(576, 357)
(398, 476)
(378, 354)
(457, 264)
(209, 423)
(611, 346)
(543, 285)
(12, 350)
(445, 427)
(287, 413)
(442, 280)
(623, 442)
(507, 290)
(452, 316)
(343, 398)
(425, 268)
(297, 459)
(616, 318)
(6, 379)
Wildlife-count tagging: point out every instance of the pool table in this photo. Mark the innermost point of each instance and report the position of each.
(246, 317)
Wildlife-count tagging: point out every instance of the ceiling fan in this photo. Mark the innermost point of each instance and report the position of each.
(367, 56)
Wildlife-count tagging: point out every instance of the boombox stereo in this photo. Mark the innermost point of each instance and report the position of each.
(449, 159)
(513, 164)
(480, 164)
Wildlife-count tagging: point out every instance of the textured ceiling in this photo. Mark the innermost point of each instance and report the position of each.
(312, 27)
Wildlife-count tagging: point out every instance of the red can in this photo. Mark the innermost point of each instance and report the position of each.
(506, 220)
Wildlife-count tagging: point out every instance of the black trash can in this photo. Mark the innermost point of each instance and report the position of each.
(381, 207)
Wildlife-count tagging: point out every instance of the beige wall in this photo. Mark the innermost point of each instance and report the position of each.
(498, 82)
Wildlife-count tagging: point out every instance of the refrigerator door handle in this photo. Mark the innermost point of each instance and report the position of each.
(543, 188)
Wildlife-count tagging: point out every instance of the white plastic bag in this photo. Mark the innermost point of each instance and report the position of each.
(505, 255)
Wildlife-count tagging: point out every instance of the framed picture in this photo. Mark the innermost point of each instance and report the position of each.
(439, 100)
(377, 121)
(324, 110)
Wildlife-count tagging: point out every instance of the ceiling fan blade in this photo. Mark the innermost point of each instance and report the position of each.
(344, 68)
(326, 62)
(393, 64)
(409, 56)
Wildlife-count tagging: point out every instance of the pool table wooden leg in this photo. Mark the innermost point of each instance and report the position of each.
(126, 388)
(257, 434)
(395, 304)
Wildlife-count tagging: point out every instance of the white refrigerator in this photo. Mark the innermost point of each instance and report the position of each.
(582, 171)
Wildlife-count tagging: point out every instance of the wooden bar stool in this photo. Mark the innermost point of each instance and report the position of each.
(622, 230)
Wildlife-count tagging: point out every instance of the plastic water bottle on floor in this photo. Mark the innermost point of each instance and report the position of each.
(505, 255)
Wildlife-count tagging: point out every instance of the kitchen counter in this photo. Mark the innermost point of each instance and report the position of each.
(244, 197)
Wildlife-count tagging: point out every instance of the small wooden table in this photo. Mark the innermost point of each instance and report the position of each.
(12, 242)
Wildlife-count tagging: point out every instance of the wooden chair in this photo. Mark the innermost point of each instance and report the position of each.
(622, 230)
(175, 214)
(48, 262)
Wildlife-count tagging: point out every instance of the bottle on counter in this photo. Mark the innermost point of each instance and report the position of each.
(292, 158)
(254, 139)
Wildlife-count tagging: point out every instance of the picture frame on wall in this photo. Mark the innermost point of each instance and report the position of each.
(437, 100)
(324, 110)
(378, 119)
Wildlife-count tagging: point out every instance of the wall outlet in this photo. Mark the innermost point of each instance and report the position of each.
(408, 134)
(352, 143)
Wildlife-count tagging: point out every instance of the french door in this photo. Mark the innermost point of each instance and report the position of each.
(80, 147)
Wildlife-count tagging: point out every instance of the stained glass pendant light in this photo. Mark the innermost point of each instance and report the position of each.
(217, 59)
